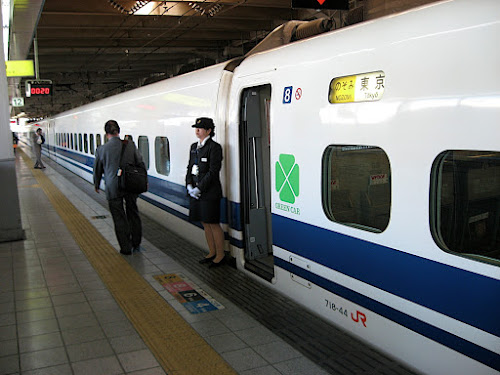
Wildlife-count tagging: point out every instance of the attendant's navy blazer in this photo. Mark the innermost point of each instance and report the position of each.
(209, 160)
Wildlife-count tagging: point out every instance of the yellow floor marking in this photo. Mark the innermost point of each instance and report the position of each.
(176, 345)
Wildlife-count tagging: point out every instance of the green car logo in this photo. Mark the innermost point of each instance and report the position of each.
(287, 178)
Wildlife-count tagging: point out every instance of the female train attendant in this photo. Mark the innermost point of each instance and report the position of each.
(204, 187)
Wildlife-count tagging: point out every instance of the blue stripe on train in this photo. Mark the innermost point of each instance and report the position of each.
(462, 295)
(458, 344)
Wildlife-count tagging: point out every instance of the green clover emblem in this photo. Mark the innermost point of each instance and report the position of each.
(287, 178)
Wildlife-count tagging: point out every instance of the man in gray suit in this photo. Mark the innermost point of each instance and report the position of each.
(38, 141)
(128, 227)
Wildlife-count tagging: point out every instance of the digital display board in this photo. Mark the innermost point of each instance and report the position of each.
(43, 89)
(321, 4)
(38, 88)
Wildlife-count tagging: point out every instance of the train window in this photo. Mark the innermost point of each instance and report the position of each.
(74, 141)
(92, 148)
(86, 143)
(80, 143)
(356, 186)
(98, 140)
(143, 147)
(162, 155)
(465, 203)
(105, 139)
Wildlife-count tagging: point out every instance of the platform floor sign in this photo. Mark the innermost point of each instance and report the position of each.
(194, 299)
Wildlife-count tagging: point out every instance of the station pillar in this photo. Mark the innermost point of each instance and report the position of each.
(11, 228)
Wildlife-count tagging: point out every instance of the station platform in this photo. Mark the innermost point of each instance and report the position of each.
(71, 304)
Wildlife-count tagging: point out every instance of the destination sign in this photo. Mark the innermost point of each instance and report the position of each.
(366, 87)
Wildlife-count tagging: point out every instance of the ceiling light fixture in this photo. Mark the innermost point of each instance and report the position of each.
(138, 5)
(210, 12)
(214, 10)
(197, 8)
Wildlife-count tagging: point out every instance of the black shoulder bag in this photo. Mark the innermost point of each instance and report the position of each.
(132, 176)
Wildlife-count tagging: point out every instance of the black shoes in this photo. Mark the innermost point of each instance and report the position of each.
(206, 260)
(218, 264)
(136, 249)
(211, 262)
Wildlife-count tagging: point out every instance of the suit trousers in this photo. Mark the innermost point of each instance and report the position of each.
(128, 226)
(38, 155)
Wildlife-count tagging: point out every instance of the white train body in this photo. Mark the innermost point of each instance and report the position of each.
(435, 75)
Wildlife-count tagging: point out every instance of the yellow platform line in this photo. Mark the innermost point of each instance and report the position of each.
(176, 345)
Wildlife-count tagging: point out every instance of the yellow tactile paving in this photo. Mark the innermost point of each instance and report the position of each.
(177, 347)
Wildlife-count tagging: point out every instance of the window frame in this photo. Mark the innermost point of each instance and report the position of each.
(147, 160)
(92, 144)
(80, 142)
(326, 180)
(86, 143)
(168, 169)
(435, 195)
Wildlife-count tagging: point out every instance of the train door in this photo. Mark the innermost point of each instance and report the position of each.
(255, 145)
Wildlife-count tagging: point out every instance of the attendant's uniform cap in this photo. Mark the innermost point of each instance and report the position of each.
(204, 123)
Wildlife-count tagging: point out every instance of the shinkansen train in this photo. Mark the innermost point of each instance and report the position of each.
(361, 174)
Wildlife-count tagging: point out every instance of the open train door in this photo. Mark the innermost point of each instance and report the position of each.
(255, 145)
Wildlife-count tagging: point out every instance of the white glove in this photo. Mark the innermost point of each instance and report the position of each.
(190, 189)
(195, 193)
(195, 170)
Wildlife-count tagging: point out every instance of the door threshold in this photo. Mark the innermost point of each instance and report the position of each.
(263, 267)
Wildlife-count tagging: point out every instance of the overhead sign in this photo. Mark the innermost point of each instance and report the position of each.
(321, 4)
(19, 68)
(18, 102)
(366, 87)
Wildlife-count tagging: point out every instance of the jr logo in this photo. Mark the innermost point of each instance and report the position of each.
(287, 178)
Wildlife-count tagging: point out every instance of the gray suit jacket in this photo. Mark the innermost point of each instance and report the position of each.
(36, 147)
(107, 162)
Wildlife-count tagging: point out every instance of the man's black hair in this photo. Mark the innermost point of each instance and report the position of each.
(112, 127)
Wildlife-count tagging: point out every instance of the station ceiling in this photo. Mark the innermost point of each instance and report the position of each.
(95, 48)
